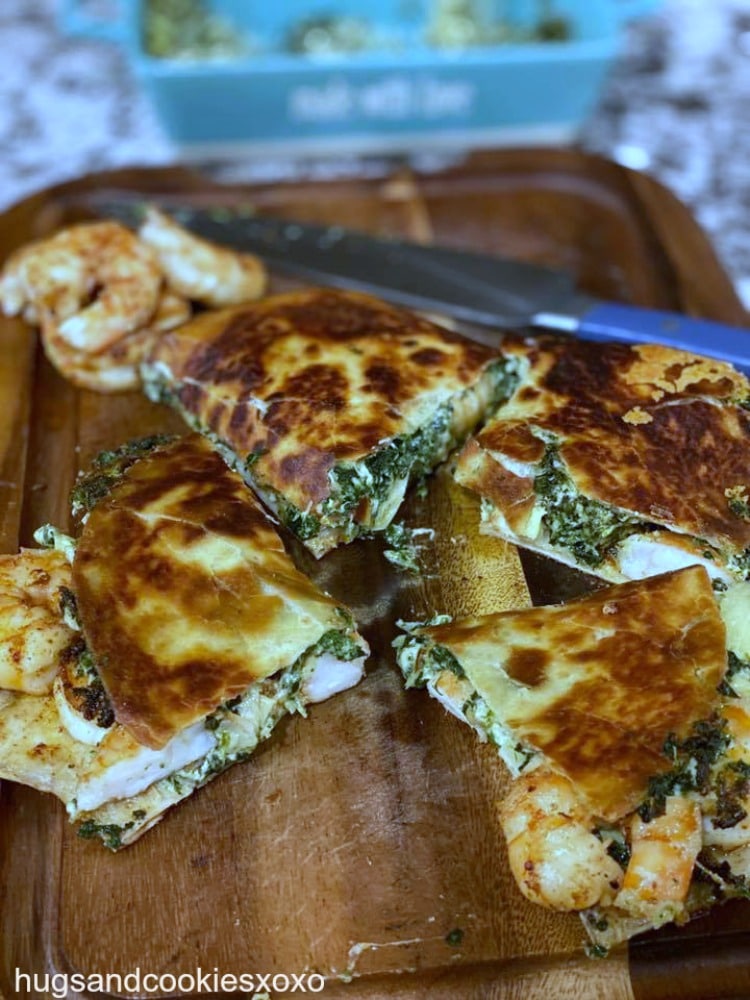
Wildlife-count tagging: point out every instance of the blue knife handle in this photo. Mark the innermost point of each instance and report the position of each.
(608, 321)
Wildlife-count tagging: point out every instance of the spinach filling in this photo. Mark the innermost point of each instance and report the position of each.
(371, 480)
(408, 456)
(405, 457)
(110, 834)
(340, 645)
(586, 528)
(736, 669)
(106, 471)
(693, 760)
(403, 550)
(301, 523)
(239, 725)
(421, 661)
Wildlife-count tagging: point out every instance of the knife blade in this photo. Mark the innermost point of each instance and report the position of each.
(474, 287)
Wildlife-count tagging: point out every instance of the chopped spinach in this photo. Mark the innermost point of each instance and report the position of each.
(740, 564)
(445, 660)
(597, 921)
(300, 523)
(587, 528)
(253, 457)
(407, 456)
(69, 608)
(403, 550)
(693, 758)
(454, 937)
(506, 375)
(89, 697)
(107, 469)
(339, 644)
(737, 884)
(110, 834)
(732, 787)
(596, 950)
(735, 666)
(738, 502)
(619, 851)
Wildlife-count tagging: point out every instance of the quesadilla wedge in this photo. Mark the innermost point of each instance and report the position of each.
(624, 720)
(329, 403)
(161, 646)
(622, 461)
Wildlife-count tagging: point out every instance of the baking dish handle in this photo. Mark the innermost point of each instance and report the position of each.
(84, 18)
(625, 10)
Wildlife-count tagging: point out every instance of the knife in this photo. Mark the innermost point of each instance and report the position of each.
(473, 287)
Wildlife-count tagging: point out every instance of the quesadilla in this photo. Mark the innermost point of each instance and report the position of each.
(187, 634)
(622, 461)
(329, 403)
(623, 718)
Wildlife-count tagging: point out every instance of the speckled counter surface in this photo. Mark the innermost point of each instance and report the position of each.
(676, 105)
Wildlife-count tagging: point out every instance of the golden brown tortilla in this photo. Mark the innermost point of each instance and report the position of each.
(302, 381)
(186, 593)
(598, 684)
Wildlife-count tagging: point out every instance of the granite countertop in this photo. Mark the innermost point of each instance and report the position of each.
(675, 105)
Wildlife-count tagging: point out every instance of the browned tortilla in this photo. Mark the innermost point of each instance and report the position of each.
(311, 378)
(646, 429)
(185, 592)
(598, 684)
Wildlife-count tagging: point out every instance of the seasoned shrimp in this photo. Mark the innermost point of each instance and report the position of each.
(90, 285)
(32, 632)
(200, 270)
(116, 369)
(662, 858)
(555, 857)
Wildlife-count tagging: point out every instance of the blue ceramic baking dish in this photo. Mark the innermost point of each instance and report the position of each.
(413, 97)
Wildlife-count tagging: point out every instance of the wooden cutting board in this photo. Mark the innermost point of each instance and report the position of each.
(359, 843)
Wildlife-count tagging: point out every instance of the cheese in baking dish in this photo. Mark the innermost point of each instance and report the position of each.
(328, 402)
(622, 461)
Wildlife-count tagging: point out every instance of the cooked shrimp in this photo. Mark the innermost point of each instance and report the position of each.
(90, 284)
(32, 632)
(116, 369)
(555, 857)
(201, 270)
(662, 858)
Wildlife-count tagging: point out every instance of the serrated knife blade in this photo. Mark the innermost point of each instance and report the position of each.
(473, 287)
